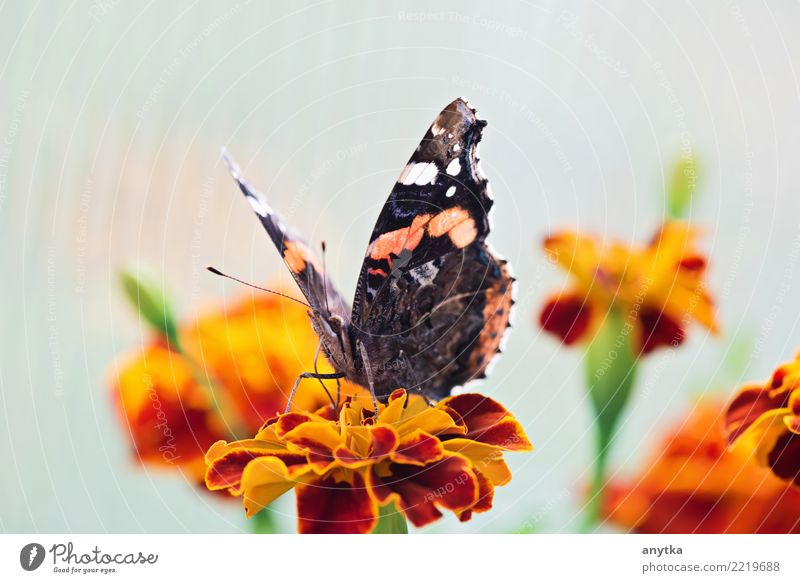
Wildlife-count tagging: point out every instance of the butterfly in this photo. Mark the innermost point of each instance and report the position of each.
(432, 300)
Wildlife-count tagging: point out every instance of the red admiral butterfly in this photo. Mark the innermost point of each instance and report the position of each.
(432, 301)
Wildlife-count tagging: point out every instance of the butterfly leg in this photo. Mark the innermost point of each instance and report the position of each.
(310, 375)
(368, 370)
(335, 405)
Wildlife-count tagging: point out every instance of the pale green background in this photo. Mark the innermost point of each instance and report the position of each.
(112, 117)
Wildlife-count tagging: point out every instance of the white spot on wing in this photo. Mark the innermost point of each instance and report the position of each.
(419, 173)
(450, 191)
(454, 167)
(428, 175)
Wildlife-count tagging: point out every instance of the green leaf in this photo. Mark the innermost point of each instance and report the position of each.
(149, 299)
(681, 187)
(390, 521)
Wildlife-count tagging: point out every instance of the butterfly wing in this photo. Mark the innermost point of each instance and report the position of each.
(299, 258)
(429, 282)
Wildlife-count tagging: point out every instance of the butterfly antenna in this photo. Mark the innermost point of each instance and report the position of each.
(325, 277)
(216, 271)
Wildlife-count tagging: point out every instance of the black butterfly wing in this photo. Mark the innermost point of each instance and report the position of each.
(429, 284)
(299, 258)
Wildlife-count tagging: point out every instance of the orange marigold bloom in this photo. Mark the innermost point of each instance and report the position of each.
(695, 484)
(344, 465)
(764, 421)
(229, 375)
(660, 287)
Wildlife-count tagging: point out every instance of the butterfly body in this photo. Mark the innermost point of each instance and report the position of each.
(432, 301)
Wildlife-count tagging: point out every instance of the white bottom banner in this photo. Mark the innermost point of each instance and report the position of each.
(420, 558)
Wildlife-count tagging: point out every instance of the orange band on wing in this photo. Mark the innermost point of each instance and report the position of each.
(455, 222)
(297, 255)
(394, 242)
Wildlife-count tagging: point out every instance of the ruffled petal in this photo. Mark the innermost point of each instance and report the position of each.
(226, 461)
(748, 405)
(264, 479)
(487, 421)
(485, 497)
(419, 491)
(430, 420)
(325, 506)
(317, 439)
(487, 459)
(418, 448)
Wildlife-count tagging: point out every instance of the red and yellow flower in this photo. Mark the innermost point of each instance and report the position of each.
(660, 287)
(228, 375)
(695, 484)
(763, 421)
(345, 465)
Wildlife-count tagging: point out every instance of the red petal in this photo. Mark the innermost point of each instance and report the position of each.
(658, 330)
(419, 448)
(694, 263)
(485, 497)
(289, 421)
(784, 459)
(749, 405)
(397, 394)
(487, 421)
(567, 317)
(384, 441)
(226, 471)
(449, 483)
(778, 376)
(328, 507)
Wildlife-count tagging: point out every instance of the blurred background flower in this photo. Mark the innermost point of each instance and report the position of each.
(692, 483)
(660, 287)
(218, 377)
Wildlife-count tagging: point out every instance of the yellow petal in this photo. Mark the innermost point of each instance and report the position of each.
(488, 459)
(760, 438)
(264, 479)
(433, 421)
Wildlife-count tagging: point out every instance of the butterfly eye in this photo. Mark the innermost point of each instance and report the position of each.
(336, 323)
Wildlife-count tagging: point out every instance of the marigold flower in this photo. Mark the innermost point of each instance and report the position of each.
(764, 421)
(695, 484)
(344, 465)
(228, 376)
(660, 287)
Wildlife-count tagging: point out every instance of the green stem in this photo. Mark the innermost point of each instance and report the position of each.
(390, 521)
(264, 522)
(611, 372)
(594, 504)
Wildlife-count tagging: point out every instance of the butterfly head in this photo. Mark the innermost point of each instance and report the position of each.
(333, 333)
